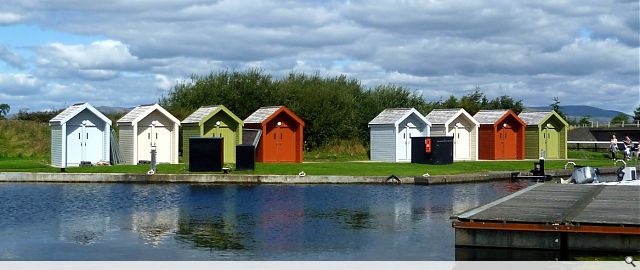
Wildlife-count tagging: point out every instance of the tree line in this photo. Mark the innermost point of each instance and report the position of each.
(333, 108)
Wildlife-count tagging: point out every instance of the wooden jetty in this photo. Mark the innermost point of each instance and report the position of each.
(556, 217)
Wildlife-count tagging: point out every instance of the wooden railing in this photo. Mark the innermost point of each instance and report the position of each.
(593, 145)
(596, 124)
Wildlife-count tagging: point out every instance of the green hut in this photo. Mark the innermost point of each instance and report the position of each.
(213, 121)
(545, 135)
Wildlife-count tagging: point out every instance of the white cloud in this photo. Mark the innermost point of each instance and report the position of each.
(163, 82)
(530, 50)
(10, 18)
(100, 60)
(11, 58)
(19, 84)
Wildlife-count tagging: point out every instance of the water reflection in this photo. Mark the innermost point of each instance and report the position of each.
(82, 220)
(280, 217)
(155, 215)
(265, 222)
(212, 234)
(211, 220)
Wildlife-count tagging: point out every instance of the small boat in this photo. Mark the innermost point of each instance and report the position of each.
(626, 176)
(581, 174)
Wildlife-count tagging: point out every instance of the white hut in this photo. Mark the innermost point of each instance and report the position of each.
(148, 125)
(79, 134)
(460, 125)
(391, 133)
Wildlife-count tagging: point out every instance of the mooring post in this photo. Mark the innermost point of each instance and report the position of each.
(153, 160)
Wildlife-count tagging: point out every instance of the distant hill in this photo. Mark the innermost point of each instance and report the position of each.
(109, 110)
(579, 111)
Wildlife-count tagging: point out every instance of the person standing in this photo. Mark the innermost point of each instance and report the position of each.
(613, 147)
(627, 148)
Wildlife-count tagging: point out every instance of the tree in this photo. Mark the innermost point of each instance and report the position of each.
(636, 114)
(4, 110)
(620, 118)
(555, 106)
(584, 121)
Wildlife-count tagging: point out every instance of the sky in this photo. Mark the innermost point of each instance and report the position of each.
(123, 53)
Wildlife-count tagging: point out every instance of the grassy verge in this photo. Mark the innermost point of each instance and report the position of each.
(345, 150)
(24, 139)
(313, 168)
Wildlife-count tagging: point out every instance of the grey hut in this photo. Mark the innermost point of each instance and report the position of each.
(460, 125)
(391, 132)
(79, 134)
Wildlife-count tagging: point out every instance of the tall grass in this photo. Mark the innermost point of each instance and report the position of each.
(340, 150)
(24, 139)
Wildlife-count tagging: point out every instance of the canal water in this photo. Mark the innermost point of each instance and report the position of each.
(235, 222)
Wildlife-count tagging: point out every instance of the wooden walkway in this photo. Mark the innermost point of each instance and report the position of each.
(555, 216)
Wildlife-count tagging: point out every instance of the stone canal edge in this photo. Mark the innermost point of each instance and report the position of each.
(266, 179)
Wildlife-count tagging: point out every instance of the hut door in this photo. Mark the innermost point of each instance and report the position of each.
(550, 137)
(461, 142)
(406, 133)
(507, 142)
(158, 135)
(284, 142)
(84, 143)
(93, 146)
(162, 140)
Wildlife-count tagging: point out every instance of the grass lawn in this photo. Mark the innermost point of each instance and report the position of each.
(315, 168)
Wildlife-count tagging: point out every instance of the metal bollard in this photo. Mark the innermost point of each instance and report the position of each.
(153, 161)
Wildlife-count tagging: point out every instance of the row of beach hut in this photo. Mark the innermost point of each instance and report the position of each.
(81, 133)
(488, 135)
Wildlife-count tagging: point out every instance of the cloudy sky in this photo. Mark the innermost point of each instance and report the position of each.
(122, 53)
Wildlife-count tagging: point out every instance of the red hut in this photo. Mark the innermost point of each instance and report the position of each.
(281, 139)
(501, 135)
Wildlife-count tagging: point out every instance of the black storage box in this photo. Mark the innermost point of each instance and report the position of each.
(441, 150)
(206, 154)
(245, 157)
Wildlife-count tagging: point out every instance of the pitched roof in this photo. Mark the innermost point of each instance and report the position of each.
(537, 117)
(441, 116)
(200, 114)
(261, 114)
(140, 112)
(489, 116)
(394, 116)
(534, 118)
(74, 110)
(446, 116)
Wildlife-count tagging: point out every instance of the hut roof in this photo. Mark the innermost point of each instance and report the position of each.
(74, 110)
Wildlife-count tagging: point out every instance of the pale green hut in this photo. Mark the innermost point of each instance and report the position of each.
(545, 135)
(213, 121)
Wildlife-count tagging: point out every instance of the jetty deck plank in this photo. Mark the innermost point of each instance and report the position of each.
(551, 203)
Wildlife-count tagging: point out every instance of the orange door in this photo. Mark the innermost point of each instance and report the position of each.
(281, 144)
(507, 142)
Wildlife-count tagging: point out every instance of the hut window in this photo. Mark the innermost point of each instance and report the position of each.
(156, 136)
(87, 135)
(79, 135)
